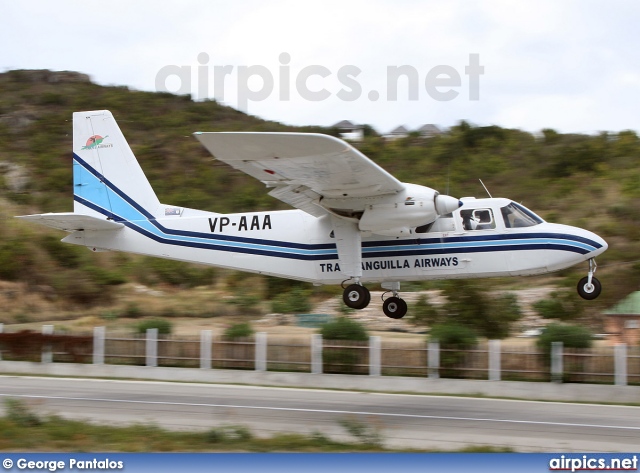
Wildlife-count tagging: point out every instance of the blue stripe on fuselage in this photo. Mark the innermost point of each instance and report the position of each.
(115, 204)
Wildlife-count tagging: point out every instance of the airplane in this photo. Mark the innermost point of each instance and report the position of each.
(352, 223)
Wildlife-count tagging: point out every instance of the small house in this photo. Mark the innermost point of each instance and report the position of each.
(349, 130)
(622, 321)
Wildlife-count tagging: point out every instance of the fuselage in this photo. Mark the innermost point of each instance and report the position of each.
(484, 238)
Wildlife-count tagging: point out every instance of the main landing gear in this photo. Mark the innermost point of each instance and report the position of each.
(358, 297)
(589, 287)
(394, 307)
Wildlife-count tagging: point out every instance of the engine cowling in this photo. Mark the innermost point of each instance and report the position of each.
(415, 207)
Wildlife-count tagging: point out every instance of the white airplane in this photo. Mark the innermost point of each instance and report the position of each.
(354, 223)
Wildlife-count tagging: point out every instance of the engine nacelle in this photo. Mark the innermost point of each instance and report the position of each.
(413, 208)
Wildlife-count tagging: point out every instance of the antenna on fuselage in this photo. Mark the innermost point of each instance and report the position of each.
(485, 188)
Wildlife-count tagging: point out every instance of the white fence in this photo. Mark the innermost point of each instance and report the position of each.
(495, 361)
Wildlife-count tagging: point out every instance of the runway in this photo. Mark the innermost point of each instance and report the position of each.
(412, 421)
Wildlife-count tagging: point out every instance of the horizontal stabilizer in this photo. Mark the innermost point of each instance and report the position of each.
(72, 222)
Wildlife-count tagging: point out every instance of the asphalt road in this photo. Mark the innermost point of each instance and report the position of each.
(426, 422)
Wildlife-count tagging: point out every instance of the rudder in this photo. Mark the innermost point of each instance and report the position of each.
(107, 178)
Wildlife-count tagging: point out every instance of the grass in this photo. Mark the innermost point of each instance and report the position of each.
(55, 434)
(23, 430)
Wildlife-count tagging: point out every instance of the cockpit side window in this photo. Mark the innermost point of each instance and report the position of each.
(517, 216)
(477, 219)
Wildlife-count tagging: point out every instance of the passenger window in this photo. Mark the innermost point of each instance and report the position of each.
(477, 219)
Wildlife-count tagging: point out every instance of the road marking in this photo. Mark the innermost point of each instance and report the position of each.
(326, 411)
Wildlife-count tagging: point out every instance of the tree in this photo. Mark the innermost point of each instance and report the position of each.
(560, 305)
(454, 339)
(424, 313)
(571, 336)
(491, 316)
(504, 310)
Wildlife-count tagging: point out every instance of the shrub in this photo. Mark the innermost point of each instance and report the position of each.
(246, 303)
(133, 311)
(343, 359)
(344, 328)
(424, 313)
(164, 326)
(453, 336)
(296, 301)
(243, 330)
(571, 336)
(151, 271)
(79, 287)
(365, 434)
(15, 260)
(561, 306)
(20, 414)
(229, 434)
(454, 340)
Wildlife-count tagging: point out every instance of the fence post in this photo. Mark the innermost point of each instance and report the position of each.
(152, 347)
(620, 354)
(98, 345)
(375, 356)
(556, 362)
(206, 337)
(434, 360)
(316, 353)
(47, 354)
(261, 351)
(494, 360)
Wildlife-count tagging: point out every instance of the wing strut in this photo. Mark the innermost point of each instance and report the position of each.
(349, 244)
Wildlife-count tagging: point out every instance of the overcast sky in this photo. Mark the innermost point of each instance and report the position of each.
(569, 65)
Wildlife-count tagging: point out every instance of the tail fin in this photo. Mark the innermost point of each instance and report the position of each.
(107, 179)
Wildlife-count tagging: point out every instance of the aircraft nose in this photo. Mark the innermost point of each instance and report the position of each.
(581, 244)
(604, 244)
(599, 244)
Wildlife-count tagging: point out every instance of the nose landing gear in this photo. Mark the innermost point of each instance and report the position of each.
(589, 287)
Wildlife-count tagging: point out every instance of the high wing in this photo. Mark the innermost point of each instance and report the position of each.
(303, 167)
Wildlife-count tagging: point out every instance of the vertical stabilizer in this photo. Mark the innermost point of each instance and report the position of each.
(107, 179)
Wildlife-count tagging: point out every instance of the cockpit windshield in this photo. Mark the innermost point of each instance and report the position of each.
(517, 216)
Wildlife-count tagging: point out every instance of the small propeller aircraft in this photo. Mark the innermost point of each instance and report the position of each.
(353, 222)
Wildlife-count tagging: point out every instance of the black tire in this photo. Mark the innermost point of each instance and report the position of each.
(394, 308)
(356, 296)
(589, 293)
(367, 298)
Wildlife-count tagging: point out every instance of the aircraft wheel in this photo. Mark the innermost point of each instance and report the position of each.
(589, 292)
(356, 296)
(394, 307)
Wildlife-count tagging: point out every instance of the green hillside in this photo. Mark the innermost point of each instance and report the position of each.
(589, 181)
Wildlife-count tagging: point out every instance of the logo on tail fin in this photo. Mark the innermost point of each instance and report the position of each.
(96, 141)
